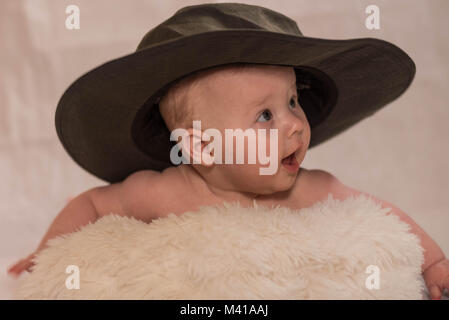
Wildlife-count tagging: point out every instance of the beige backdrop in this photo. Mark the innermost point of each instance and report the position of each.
(400, 154)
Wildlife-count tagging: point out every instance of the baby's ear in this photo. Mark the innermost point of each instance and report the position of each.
(194, 147)
(190, 141)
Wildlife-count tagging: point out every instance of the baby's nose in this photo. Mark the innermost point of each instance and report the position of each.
(295, 126)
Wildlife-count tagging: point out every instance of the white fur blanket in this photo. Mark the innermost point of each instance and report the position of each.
(332, 250)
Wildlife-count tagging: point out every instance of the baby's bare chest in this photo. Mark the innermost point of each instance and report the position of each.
(307, 191)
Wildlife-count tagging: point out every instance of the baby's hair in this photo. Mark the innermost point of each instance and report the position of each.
(177, 106)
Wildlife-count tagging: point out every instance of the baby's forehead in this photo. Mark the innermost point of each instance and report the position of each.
(243, 85)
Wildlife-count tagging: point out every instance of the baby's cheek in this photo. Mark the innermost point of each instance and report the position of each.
(264, 145)
(271, 142)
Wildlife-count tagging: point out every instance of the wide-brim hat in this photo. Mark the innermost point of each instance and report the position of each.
(108, 120)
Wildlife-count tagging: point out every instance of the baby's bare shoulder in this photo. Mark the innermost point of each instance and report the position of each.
(342, 191)
(163, 193)
(329, 183)
(318, 177)
(320, 183)
(315, 181)
(144, 195)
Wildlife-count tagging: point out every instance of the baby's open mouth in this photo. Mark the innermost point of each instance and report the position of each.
(290, 163)
(289, 159)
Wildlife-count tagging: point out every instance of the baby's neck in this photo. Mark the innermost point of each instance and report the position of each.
(232, 195)
(208, 189)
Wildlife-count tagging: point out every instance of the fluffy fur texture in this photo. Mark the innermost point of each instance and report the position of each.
(230, 252)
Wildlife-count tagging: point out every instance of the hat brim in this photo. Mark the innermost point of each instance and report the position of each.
(100, 114)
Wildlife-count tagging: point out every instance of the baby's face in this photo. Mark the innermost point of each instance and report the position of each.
(262, 98)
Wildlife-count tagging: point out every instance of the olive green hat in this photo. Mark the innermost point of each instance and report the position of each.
(108, 120)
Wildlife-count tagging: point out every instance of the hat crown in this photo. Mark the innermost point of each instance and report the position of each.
(209, 17)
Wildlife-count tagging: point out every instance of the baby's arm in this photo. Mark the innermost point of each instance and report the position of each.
(435, 268)
(77, 213)
(130, 197)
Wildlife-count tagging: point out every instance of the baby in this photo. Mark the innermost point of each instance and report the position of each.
(230, 97)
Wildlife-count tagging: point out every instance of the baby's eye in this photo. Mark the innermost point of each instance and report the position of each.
(264, 113)
(294, 101)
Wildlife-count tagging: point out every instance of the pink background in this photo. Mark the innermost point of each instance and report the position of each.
(400, 154)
